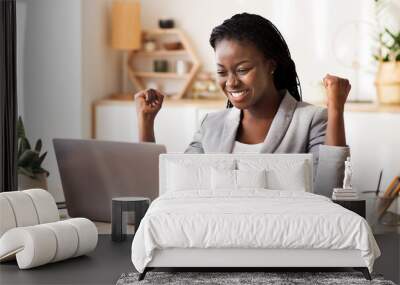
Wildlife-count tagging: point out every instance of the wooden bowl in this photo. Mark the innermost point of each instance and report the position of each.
(173, 46)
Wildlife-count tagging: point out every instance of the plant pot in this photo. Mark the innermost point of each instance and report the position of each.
(25, 182)
(388, 82)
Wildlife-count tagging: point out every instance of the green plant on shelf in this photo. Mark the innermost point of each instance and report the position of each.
(388, 38)
(29, 160)
(390, 51)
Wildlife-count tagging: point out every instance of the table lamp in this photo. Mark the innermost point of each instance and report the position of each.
(126, 30)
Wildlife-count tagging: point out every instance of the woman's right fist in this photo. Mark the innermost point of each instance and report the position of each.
(148, 103)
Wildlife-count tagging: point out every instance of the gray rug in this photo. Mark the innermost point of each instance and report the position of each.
(229, 278)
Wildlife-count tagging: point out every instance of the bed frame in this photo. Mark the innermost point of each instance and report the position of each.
(242, 259)
(246, 259)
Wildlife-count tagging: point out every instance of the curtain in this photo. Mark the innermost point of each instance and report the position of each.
(8, 96)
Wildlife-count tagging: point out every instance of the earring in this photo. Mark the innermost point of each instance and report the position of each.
(272, 72)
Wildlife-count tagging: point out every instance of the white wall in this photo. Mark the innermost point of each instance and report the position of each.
(312, 28)
(374, 146)
(101, 65)
(66, 64)
(52, 76)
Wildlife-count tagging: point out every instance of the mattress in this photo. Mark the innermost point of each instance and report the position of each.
(250, 219)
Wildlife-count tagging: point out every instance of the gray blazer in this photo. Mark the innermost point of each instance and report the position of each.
(297, 127)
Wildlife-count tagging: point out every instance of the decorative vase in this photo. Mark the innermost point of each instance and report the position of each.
(26, 182)
(388, 82)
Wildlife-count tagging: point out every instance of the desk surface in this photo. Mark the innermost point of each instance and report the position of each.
(102, 266)
(220, 102)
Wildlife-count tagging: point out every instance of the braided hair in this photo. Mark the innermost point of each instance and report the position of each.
(266, 37)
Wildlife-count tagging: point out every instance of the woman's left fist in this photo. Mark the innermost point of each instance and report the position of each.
(337, 90)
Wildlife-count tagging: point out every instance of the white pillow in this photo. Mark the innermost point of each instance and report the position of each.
(223, 179)
(281, 174)
(237, 179)
(251, 178)
(193, 175)
(293, 179)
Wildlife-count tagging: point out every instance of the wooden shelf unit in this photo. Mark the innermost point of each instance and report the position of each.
(137, 76)
(167, 75)
(162, 53)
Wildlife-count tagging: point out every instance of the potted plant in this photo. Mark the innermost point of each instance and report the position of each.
(30, 172)
(388, 75)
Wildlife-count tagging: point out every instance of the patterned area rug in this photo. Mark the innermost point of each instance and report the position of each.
(243, 278)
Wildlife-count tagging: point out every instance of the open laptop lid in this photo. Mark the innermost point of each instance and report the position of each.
(93, 172)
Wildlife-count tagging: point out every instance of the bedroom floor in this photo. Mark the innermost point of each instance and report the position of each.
(102, 266)
(111, 259)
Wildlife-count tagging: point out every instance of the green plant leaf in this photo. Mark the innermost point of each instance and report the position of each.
(26, 171)
(19, 147)
(27, 157)
(42, 157)
(38, 160)
(25, 144)
(385, 58)
(389, 47)
(20, 128)
(38, 145)
(395, 38)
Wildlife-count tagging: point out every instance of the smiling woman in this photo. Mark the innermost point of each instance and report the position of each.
(265, 109)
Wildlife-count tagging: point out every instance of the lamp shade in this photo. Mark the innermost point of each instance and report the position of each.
(126, 27)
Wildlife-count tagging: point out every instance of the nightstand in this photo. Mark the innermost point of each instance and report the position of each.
(356, 205)
(121, 206)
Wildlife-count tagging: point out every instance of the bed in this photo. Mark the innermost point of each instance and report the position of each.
(246, 211)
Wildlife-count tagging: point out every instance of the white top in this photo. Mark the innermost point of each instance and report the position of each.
(239, 147)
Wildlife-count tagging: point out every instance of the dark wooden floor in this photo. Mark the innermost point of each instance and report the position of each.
(111, 259)
(102, 266)
(389, 262)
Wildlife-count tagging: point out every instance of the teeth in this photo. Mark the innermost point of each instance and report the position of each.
(237, 94)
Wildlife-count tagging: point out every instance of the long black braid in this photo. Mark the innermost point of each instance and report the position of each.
(266, 37)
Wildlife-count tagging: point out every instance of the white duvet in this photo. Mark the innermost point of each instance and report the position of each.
(250, 219)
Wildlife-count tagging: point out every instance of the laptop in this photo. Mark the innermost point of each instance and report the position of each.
(93, 172)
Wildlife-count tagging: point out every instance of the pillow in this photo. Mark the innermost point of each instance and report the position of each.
(293, 179)
(251, 178)
(223, 179)
(237, 179)
(190, 175)
(282, 174)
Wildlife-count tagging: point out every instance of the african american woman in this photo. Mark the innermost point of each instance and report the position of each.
(265, 112)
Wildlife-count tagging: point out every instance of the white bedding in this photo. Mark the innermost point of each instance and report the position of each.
(252, 218)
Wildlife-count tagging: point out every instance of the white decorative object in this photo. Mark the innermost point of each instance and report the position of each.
(150, 46)
(7, 216)
(182, 67)
(31, 231)
(348, 172)
(46, 243)
(347, 192)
